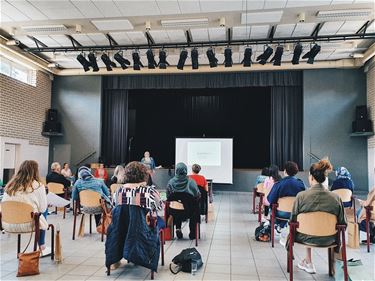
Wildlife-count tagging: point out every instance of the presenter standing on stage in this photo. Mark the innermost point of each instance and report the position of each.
(148, 161)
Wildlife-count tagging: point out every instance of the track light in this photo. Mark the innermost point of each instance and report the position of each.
(137, 64)
(84, 62)
(211, 57)
(297, 53)
(194, 58)
(182, 60)
(163, 59)
(265, 56)
(107, 61)
(312, 54)
(228, 62)
(247, 57)
(121, 60)
(94, 64)
(278, 54)
(151, 60)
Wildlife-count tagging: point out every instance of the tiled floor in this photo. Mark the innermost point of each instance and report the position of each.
(227, 246)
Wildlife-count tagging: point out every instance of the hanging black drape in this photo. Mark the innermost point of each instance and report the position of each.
(286, 125)
(114, 144)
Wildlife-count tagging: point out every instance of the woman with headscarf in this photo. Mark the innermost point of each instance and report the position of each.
(343, 181)
(183, 194)
(86, 181)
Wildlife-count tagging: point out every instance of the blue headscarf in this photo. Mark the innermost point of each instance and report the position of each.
(84, 173)
(343, 173)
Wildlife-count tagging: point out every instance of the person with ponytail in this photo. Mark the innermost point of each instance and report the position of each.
(317, 199)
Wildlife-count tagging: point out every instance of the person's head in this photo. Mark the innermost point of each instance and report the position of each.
(274, 172)
(84, 173)
(343, 173)
(147, 154)
(55, 167)
(136, 172)
(22, 181)
(265, 171)
(101, 166)
(196, 168)
(181, 169)
(66, 166)
(290, 168)
(319, 171)
(119, 173)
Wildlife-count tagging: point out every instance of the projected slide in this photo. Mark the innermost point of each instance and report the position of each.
(214, 155)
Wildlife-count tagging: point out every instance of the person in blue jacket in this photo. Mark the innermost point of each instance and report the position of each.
(343, 181)
(289, 186)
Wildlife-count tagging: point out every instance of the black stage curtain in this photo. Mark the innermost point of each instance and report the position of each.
(114, 144)
(286, 125)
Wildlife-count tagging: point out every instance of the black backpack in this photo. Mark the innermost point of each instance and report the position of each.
(263, 232)
(182, 262)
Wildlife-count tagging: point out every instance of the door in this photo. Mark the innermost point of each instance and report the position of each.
(9, 156)
(62, 153)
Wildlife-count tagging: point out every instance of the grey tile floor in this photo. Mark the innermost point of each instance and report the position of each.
(227, 246)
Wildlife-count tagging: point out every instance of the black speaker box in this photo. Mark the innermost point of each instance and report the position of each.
(361, 112)
(362, 125)
(52, 127)
(52, 115)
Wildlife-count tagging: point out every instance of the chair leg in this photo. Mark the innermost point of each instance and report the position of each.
(74, 219)
(37, 232)
(90, 224)
(108, 270)
(330, 261)
(18, 244)
(152, 275)
(368, 234)
(260, 208)
(287, 262)
(196, 234)
(103, 215)
(51, 226)
(290, 258)
(56, 210)
(254, 194)
(162, 246)
(343, 249)
(273, 227)
(64, 213)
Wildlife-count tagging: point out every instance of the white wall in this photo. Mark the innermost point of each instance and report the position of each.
(25, 151)
(371, 168)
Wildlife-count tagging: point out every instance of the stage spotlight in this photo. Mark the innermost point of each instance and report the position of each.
(194, 58)
(107, 61)
(163, 59)
(151, 60)
(265, 56)
(247, 57)
(228, 62)
(297, 53)
(121, 60)
(137, 64)
(182, 59)
(211, 57)
(312, 54)
(94, 64)
(278, 54)
(85, 63)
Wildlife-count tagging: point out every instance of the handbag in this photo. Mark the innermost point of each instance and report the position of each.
(28, 263)
(106, 219)
(183, 261)
(353, 235)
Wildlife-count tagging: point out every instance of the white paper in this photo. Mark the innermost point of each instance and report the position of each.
(56, 201)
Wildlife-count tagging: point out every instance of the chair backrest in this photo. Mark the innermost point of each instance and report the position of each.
(317, 223)
(344, 193)
(13, 212)
(55, 187)
(260, 187)
(285, 204)
(114, 187)
(89, 198)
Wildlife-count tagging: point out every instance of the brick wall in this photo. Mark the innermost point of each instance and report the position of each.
(371, 100)
(23, 108)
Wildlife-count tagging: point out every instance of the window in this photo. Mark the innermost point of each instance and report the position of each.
(17, 71)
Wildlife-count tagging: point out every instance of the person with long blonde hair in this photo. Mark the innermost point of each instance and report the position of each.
(26, 187)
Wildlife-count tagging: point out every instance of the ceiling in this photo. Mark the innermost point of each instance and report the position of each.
(125, 21)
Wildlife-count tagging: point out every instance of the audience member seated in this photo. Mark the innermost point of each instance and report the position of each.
(361, 214)
(185, 191)
(86, 181)
(133, 233)
(57, 177)
(273, 177)
(317, 199)
(67, 173)
(289, 186)
(343, 181)
(118, 175)
(101, 173)
(25, 187)
(199, 179)
(263, 176)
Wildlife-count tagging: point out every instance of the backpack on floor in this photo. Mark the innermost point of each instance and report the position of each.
(263, 232)
(182, 262)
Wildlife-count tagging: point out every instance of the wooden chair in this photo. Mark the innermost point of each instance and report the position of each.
(18, 213)
(370, 216)
(284, 204)
(346, 195)
(260, 192)
(88, 199)
(166, 216)
(318, 224)
(58, 189)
